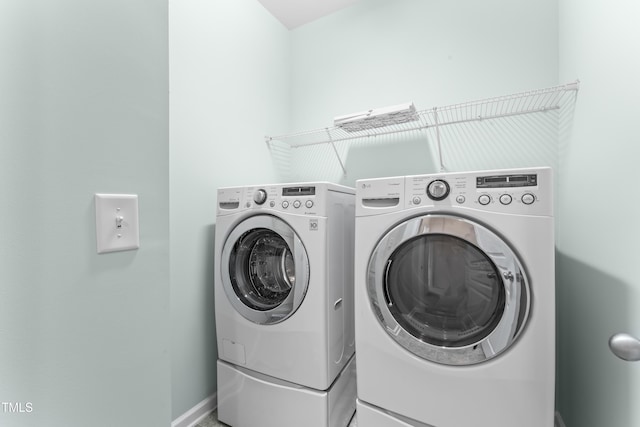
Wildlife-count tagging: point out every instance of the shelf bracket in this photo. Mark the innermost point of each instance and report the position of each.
(439, 146)
(335, 151)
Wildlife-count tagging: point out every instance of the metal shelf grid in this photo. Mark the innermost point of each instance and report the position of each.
(534, 101)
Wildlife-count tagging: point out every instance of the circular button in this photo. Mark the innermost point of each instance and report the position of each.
(285, 204)
(296, 204)
(484, 199)
(528, 198)
(272, 203)
(417, 200)
(438, 189)
(505, 199)
(260, 197)
(309, 204)
(460, 199)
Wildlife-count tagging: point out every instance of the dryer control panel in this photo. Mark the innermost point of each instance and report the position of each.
(516, 191)
(510, 191)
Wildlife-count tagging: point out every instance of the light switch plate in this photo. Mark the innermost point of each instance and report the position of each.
(117, 226)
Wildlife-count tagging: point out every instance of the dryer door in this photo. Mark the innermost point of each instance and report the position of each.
(448, 289)
(265, 269)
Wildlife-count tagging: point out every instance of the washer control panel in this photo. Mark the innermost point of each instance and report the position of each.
(302, 199)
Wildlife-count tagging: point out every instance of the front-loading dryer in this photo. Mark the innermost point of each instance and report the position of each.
(455, 299)
(284, 304)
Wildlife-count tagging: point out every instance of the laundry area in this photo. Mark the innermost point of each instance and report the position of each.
(370, 213)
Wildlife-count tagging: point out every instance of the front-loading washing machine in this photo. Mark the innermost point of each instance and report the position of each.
(455, 300)
(284, 305)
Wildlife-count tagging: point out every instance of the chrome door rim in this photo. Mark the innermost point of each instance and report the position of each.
(301, 265)
(512, 274)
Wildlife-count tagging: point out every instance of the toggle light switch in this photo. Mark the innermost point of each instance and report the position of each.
(117, 226)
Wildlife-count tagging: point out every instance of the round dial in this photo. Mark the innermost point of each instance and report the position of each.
(505, 199)
(260, 196)
(528, 198)
(484, 199)
(438, 189)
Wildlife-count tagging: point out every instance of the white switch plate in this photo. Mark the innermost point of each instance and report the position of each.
(117, 226)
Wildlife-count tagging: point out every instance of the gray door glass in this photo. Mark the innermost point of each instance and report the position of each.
(443, 290)
(261, 269)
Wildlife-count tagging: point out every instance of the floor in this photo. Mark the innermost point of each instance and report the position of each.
(211, 420)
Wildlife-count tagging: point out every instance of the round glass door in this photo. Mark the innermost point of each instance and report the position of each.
(265, 269)
(261, 269)
(447, 289)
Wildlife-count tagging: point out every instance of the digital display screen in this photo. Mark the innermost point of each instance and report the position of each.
(495, 179)
(299, 191)
(505, 181)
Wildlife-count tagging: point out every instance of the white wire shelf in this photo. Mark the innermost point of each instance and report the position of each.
(534, 101)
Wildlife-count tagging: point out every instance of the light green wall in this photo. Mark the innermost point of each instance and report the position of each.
(229, 87)
(433, 53)
(598, 285)
(84, 337)
(84, 109)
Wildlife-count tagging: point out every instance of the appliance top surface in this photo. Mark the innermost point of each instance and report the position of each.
(523, 191)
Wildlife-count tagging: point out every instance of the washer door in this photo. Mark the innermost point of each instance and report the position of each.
(448, 290)
(265, 269)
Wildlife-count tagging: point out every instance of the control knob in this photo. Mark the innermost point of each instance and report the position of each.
(438, 189)
(260, 197)
(484, 199)
(505, 199)
(528, 198)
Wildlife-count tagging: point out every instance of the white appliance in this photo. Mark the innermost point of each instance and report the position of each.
(455, 300)
(284, 304)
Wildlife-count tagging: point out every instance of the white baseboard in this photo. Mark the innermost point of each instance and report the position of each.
(194, 415)
(559, 421)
